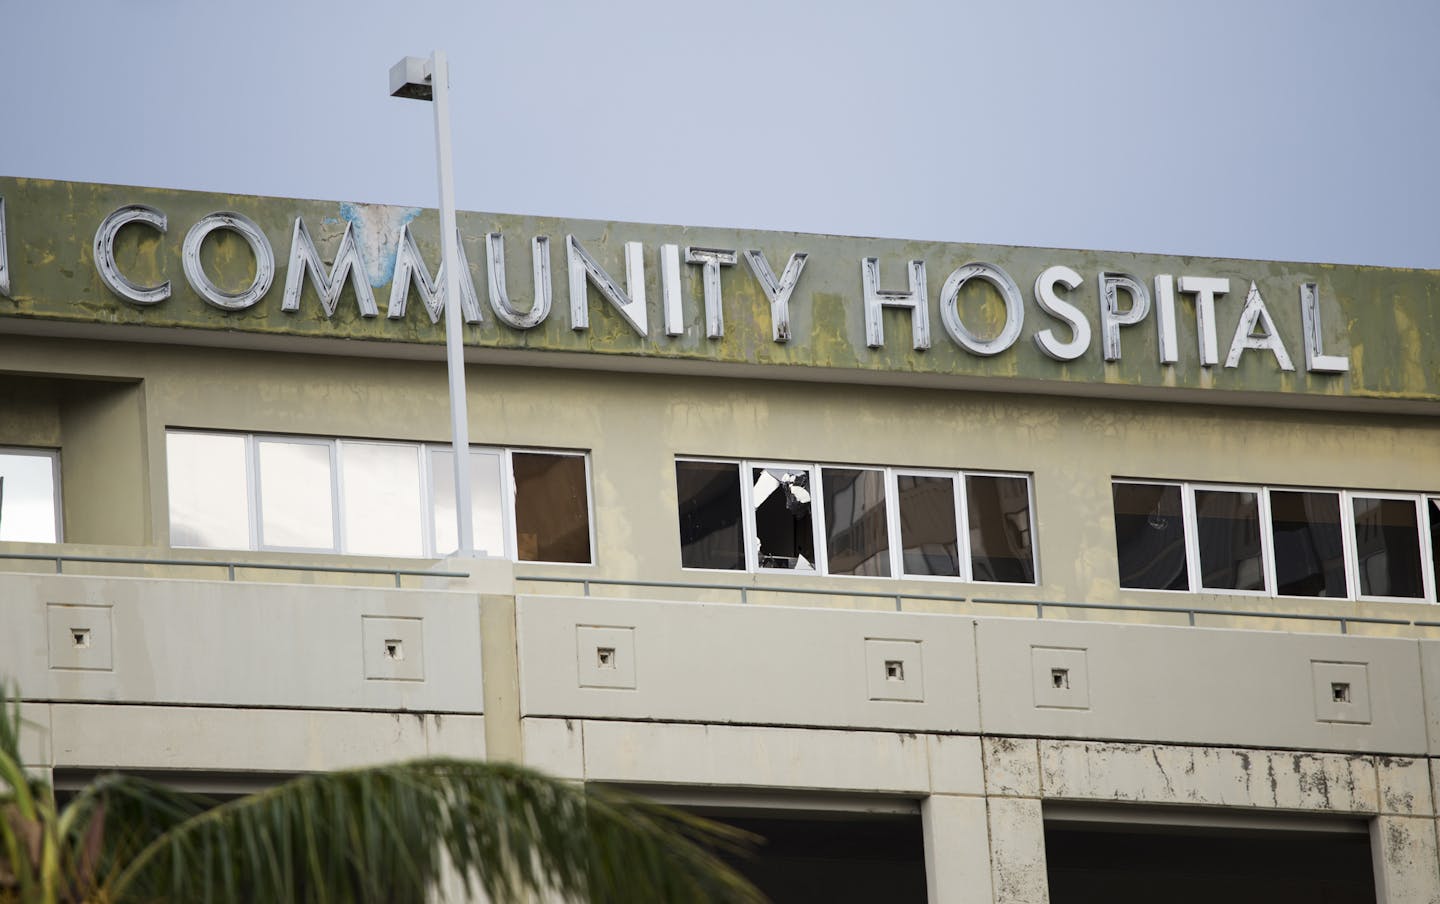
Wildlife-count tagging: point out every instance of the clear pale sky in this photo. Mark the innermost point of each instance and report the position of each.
(1238, 128)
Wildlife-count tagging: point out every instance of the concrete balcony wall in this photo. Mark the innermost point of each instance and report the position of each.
(690, 662)
(213, 643)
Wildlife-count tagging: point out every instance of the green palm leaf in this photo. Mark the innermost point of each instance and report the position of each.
(383, 834)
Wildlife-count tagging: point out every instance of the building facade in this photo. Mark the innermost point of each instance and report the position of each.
(965, 573)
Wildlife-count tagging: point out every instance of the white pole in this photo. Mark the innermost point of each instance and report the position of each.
(454, 320)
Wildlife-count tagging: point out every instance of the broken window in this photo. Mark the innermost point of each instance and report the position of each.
(29, 495)
(1309, 543)
(784, 526)
(712, 531)
(552, 507)
(1227, 528)
(1150, 536)
(1387, 547)
(1000, 536)
(929, 541)
(857, 534)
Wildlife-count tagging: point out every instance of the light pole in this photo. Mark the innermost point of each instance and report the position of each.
(423, 79)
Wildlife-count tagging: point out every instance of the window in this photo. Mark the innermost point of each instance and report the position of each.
(854, 520)
(929, 537)
(712, 533)
(1150, 536)
(1277, 541)
(368, 497)
(29, 495)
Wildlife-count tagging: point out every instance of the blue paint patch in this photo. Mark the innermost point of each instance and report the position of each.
(330, 221)
(377, 234)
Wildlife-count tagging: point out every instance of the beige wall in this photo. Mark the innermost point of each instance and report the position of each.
(634, 424)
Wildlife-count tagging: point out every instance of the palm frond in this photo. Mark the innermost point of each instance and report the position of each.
(382, 834)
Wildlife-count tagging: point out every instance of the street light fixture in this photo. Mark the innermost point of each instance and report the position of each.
(421, 79)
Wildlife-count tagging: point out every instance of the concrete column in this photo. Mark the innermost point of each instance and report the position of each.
(1017, 851)
(957, 861)
(1407, 867)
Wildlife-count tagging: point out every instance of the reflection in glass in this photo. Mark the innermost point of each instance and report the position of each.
(295, 495)
(857, 537)
(487, 502)
(1000, 536)
(1150, 536)
(1387, 547)
(209, 491)
(552, 509)
(710, 517)
(1227, 526)
(929, 540)
(382, 499)
(1309, 543)
(784, 531)
(27, 497)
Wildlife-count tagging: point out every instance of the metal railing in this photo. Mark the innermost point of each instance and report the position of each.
(1037, 606)
(229, 565)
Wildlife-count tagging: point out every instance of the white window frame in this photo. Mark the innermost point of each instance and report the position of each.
(1427, 573)
(964, 521)
(821, 565)
(1347, 544)
(1192, 538)
(892, 518)
(426, 488)
(962, 533)
(508, 483)
(746, 514)
(1347, 529)
(257, 511)
(56, 490)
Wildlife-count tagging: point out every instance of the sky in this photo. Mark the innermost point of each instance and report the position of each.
(1302, 131)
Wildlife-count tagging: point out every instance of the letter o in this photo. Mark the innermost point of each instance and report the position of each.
(259, 246)
(950, 312)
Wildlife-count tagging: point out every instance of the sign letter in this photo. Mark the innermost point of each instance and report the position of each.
(778, 291)
(1052, 303)
(877, 299)
(583, 269)
(105, 256)
(1111, 317)
(1316, 361)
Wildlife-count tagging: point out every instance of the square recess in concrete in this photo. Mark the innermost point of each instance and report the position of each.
(80, 637)
(1061, 678)
(1342, 691)
(394, 648)
(605, 656)
(894, 670)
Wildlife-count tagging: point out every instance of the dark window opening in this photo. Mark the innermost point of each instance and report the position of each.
(1387, 547)
(1309, 543)
(838, 858)
(1150, 536)
(711, 525)
(1135, 864)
